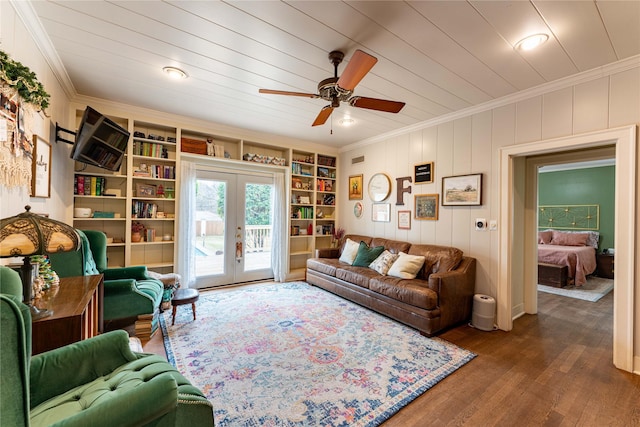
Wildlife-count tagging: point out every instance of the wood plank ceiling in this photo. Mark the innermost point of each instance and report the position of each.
(437, 56)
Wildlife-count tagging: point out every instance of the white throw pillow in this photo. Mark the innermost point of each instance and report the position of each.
(349, 252)
(406, 266)
(383, 262)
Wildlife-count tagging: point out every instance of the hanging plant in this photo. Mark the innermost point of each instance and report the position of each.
(24, 81)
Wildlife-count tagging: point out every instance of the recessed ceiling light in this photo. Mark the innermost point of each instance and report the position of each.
(532, 42)
(175, 73)
(347, 121)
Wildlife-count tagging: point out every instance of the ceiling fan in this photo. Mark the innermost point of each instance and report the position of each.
(336, 89)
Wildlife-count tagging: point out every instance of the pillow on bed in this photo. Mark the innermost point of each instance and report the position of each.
(569, 239)
(544, 237)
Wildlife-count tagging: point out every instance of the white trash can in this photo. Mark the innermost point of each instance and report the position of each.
(484, 310)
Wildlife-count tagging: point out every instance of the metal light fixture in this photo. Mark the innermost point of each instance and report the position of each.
(531, 42)
(30, 234)
(175, 73)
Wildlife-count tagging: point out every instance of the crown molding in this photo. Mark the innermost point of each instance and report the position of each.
(31, 21)
(575, 79)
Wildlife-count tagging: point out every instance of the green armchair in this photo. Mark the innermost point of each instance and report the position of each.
(95, 382)
(129, 292)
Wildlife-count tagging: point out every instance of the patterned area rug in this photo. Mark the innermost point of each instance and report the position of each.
(289, 354)
(593, 290)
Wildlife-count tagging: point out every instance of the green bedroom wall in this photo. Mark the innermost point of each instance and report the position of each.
(583, 187)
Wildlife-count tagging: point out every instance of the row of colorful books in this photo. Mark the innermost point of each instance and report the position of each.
(89, 185)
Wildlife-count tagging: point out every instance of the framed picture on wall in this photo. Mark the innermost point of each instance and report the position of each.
(426, 206)
(355, 187)
(462, 190)
(381, 212)
(41, 168)
(423, 173)
(404, 220)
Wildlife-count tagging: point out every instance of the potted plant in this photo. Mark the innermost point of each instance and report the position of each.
(136, 231)
(337, 237)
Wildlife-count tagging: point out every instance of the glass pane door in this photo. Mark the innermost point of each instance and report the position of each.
(233, 223)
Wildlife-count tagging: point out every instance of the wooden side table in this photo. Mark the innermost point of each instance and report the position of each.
(605, 265)
(77, 313)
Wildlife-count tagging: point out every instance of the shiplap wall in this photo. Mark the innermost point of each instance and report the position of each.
(472, 145)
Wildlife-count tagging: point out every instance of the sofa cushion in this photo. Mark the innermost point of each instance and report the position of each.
(406, 266)
(438, 259)
(324, 265)
(349, 251)
(383, 262)
(413, 291)
(393, 246)
(366, 255)
(357, 275)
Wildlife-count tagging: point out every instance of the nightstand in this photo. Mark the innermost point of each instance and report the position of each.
(605, 263)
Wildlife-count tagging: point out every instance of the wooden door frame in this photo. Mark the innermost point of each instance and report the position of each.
(516, 258)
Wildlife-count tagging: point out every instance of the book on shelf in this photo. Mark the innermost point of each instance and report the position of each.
(89, 185)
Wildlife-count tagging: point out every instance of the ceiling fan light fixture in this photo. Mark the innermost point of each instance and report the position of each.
(175, 73)
(532, 42)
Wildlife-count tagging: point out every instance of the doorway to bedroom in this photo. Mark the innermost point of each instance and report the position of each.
(575, 195)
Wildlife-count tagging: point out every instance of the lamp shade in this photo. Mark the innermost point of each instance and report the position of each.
(32, 234)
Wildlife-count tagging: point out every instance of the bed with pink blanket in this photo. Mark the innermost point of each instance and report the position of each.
(576, 250)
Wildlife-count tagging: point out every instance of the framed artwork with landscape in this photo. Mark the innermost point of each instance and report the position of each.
(462, 190)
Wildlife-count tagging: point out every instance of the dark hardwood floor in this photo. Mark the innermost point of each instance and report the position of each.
(552, 369)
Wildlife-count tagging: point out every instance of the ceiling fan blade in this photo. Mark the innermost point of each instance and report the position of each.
(359, 65)
(376, 104)
(323, 116)
(284, 92)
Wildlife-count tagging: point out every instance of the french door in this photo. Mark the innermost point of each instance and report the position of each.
(233, 225)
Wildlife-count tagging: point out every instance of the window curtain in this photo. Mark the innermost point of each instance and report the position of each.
(186, 247)
(279, 242)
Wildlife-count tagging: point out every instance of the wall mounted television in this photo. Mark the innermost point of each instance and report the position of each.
(100, 141)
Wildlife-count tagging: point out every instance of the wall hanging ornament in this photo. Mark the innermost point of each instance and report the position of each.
(21, 97)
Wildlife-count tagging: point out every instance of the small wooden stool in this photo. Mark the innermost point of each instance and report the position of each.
(181, 297)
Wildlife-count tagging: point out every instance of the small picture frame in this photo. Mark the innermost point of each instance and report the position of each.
(355, 187)
(357, 209)
(41, 168)
(381, 212)
(145, 190)
(423, 173)
(462, 190)
(426, 206)
(404, 220)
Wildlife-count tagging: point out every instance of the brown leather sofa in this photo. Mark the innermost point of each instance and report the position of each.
(441, 295)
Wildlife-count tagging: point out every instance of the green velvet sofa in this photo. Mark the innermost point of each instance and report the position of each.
(96, 382)
(129, 292)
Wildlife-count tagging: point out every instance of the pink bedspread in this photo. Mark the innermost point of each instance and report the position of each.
(581, 260)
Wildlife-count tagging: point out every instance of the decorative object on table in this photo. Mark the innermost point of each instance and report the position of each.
(462, 190)
(301, 334)
(45, 272)
(30, 234)
(404, 220)
(379, 187)
(423, 173)
(41, 168)
(426, 206)
(381, 212)
(337, 237)
(355, 187)
(22, 96)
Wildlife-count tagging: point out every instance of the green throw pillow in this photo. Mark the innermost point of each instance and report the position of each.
(366, 255)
